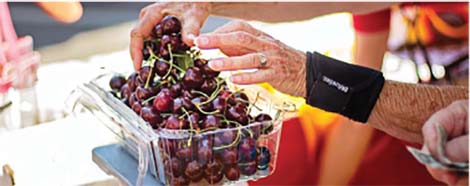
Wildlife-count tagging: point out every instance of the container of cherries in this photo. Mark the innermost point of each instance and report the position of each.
(199, 128)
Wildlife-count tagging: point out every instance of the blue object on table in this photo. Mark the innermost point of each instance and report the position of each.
(116, 161)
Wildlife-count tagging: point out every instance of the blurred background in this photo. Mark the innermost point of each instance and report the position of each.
(73, 53)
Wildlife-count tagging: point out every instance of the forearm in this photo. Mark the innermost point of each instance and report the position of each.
(280, 12)
(403, 108)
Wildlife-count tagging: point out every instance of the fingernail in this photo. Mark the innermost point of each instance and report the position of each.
(202, 40)
(215, 64)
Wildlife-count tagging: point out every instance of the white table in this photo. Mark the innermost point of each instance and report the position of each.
(56, 153)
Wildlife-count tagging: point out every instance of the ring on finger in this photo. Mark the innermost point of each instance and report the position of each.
(263, 60)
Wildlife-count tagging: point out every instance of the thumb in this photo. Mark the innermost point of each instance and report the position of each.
(191, 28)
(457, 149)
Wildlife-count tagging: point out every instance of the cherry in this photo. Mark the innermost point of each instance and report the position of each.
(157, 31)
(228, 96)
(201, 99)
(232, 173)
(170, 24)
(199, 63)
(163, 101)
(152, 116)
(180, 103)
(194, 171)
(211, 121)
(264, 157)
(126, 91)
(188, 94)
(142, 93)
(238, 114)
(165, 41)
(164, 53)
(208, 86)
(179, 181)
(230, 156)
(117, 82)
(184, 154)
(137, 107)
(176, 166)
(228, 136)
(204, 154)
(219, 104)
(247, 150)
(193, 78)
(248, 168)
(241, 96)
(208, 72)
(194, 120)
(213, 166)
(145, 51)
(266, 127)
(176, 89)
(132, 81)
(173, 122)
(133, 99)
(161, 68)
(214, 178)
(175, 42)
(144, 74)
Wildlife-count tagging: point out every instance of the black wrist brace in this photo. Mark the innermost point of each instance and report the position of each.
(347, 89)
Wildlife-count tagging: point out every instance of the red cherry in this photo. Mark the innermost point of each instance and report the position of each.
(232, 173)
(214, 178)
(152, 116)
(163, 101)
(211, 121)
(179, 181)
(194, 171)
(117, 81)
(193, 78)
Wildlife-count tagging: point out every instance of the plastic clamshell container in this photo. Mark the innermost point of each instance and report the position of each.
(181, 157)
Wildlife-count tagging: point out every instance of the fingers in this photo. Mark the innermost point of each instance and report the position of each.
(136, 46)
(237, 39)
(457, 149)
(259, 76)
(149, 16)
(248, 61)
(190, 29)
(454, 120)
(237, 25)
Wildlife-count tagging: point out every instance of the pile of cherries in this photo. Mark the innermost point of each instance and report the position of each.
(176, 90)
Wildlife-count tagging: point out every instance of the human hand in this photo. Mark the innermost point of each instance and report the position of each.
(192, 17)
(66, 12)
(248, 48)
(454, 119)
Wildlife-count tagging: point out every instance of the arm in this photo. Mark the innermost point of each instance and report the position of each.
(402, 108)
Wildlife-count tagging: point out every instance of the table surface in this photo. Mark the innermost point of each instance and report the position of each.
(55, 153)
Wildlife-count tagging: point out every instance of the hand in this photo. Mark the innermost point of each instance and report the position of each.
(191, 15)
(247, 48)
(454, 119)
(66, 12)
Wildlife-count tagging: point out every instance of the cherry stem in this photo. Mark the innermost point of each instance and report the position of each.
(204, 112)
(190, 125)
(171, 63)
(253, 104)
(199, 92)
(149, 99)
(234, 142)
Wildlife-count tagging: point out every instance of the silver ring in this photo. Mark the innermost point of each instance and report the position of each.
(263, 60)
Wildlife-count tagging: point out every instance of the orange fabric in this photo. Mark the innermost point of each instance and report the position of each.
(386, 161)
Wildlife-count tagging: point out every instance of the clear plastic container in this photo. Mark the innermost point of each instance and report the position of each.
(181, 157)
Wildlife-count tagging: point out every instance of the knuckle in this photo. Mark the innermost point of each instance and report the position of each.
(135, 32)
(244, 38)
